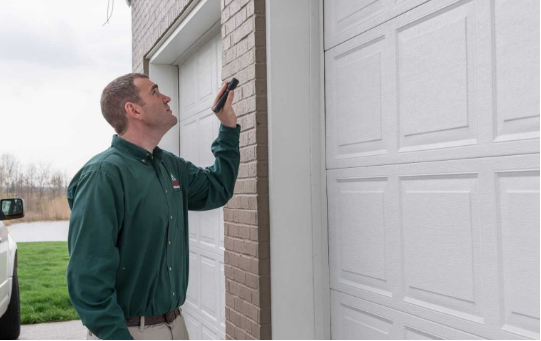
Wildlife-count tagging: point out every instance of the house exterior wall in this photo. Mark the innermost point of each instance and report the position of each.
(246, 216)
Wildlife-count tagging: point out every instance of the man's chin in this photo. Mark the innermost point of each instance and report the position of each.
(172, 122)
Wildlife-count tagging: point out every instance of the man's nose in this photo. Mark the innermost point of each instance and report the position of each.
(167, 99)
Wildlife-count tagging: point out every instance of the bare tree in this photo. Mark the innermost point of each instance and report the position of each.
(10, 166)
(43, 177)
(65, 181)
(19, 179)
(56, 183)
(30, 177)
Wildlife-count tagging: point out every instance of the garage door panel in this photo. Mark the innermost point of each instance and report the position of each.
(358, 319)
(208, 231)
(357, 235)
(201, 329)
(193, 230)
(208, 132)
(441, 246)
(188, 134)
(207, 72)
(516, 58)
(459, 245)
(345, 19)
(436, 80)
(197, 134)
(199, 80)
(204, 300)
(189, 151)
(360, 89)
(209, 288)
(357, 84)
(188, 80)
(192, 325)
(222, 294)
(218, 79)
(193, 294)
(436, 86)
(518, 210)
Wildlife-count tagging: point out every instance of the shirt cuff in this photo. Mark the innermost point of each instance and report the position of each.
(226, 129)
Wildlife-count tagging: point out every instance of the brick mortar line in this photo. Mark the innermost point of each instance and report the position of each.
(243, 209)
(240, 224)
(257, 144)
(242, 313)
(254, 63)
(242, 55)
(248, 162)
(240, 8)
(237, 253)
(245, 225)
(246, 317)
(250, 112)
(245, 240)
(249, 129)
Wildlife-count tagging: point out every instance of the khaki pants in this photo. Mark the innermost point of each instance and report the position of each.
(175, 330)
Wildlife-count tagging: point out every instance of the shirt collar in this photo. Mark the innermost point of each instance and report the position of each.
(139, 153)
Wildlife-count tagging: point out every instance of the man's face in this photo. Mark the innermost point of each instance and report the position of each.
(156, 111)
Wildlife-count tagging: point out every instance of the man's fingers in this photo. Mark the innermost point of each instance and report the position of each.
(229, 100)
(220, 93)
(222, 89)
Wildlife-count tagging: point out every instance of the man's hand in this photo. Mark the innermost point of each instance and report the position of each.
(226, 115)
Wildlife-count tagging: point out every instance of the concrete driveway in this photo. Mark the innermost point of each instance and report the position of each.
(41, 231)
(70, 330)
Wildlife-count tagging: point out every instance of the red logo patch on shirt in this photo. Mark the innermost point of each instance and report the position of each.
(176, 185)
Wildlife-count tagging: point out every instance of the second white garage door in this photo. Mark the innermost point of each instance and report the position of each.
(432, 145)
(199, 82)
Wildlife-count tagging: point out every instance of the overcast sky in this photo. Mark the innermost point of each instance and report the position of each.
(55, 59)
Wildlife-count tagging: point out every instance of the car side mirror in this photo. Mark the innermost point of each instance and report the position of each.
(11, 209)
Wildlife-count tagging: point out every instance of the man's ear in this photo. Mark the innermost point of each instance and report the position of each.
(133, 110)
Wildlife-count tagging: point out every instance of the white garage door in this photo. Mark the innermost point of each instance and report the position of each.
(432, 112)
(199, 83)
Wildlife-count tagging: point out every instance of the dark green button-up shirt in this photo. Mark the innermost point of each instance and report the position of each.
(128, 232)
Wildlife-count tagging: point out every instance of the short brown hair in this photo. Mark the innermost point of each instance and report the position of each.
(114, 98)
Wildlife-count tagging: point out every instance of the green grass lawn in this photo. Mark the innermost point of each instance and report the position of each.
(42, 282)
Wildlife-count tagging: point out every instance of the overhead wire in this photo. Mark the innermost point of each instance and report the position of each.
(112, 8)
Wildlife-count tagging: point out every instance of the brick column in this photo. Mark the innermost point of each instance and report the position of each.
(247, 248)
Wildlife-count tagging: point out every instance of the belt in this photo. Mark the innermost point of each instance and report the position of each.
(149, 320)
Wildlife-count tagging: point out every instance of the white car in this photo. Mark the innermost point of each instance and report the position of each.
(10, 309)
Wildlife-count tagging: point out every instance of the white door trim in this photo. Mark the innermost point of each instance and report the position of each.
(300, 294)
(198, 18)
(196, 22)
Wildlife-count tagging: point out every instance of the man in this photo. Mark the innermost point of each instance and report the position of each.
(128, 234)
